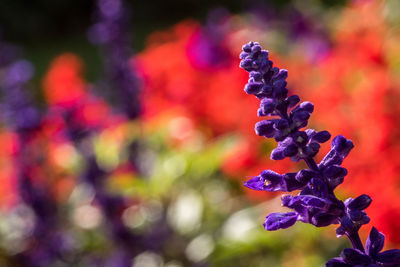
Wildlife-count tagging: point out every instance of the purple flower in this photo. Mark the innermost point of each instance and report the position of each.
(316, 203)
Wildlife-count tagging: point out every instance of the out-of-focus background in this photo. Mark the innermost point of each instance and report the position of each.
(126, 134)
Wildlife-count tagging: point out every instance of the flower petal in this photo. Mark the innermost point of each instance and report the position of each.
(375, 242)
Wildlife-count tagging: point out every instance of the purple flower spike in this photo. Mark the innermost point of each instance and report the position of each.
(316, 203)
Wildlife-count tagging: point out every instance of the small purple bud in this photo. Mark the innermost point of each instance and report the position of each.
(321, 137)
(243, 55)
(275, 221)
(252, 88)
(247, 47)
(281, 75)
(246, 64)
(265, 128)
(260, 112)
(307, 106)
(256, 75)
(256, 48)
(290, 150)
(301, 116)
(360, 203)
(268, 105)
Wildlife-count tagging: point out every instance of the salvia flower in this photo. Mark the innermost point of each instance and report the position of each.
(316, 202)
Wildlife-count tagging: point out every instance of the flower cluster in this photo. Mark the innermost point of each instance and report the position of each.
(316, 203)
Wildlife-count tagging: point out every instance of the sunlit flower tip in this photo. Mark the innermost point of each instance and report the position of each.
(266, 181)
(276, 221)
